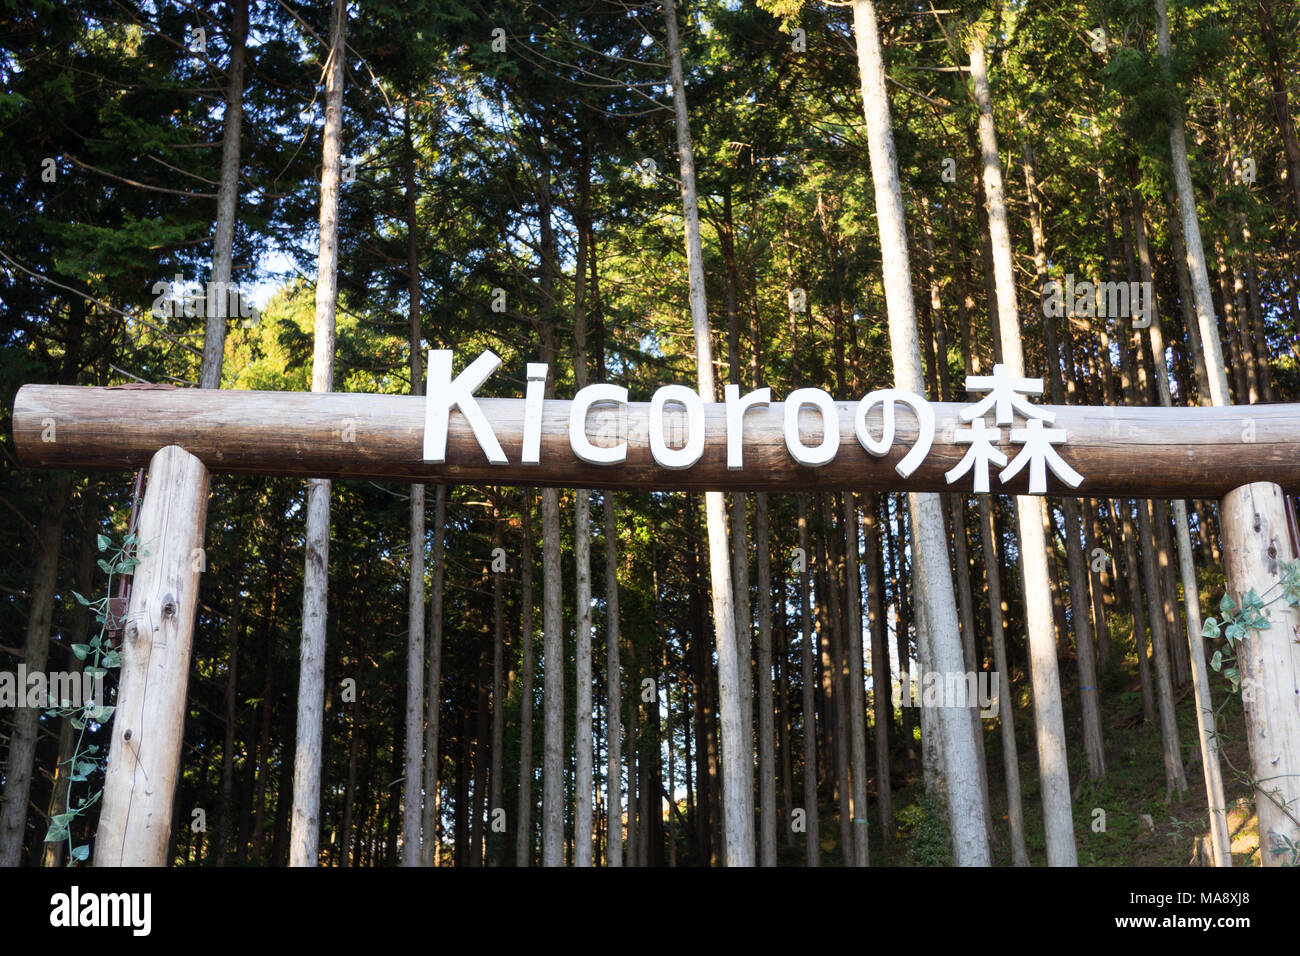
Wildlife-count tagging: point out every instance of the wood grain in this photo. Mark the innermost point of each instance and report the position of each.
(1120, 451)
(1256, 540)
(145, 747)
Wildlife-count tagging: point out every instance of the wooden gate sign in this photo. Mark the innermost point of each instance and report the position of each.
(889, 439)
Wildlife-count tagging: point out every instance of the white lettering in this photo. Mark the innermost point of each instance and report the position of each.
(578, 440)
(736, 408)
(677, 458)
(830, 443)
(533, 394)
(444, 394)
(888, 398)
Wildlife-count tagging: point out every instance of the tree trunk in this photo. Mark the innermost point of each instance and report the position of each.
(80, 631)
(1133, 576)
(706, 755)
(412, 786)
(223, 239)
(965, 804)
(907, 675)
(1099, 582)
(225, 806)
(349, 792)
(1080, 610)
(739, 501)
(553, 654)
(633, 760)
(524, 831)
(766, 728)
(1257, 541)
(784, 708)
(1006, 710)
(737, 766)
(808, 676)
(305, 835)
(1178, 662)
(834, 661)
(496, 797)
(1049, 722)
(1186, 303)
(1278, 79)
(614, 691)
(429, 822)
(552, 684)
(36, 645)
(1207, 326)
(857, 711)
(1175, 779)
(583, 830)
(881, 688)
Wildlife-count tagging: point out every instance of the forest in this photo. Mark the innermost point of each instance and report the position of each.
(203, 201)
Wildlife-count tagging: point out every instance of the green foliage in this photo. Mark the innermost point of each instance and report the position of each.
(575, 103)
(92, 716)
(1250, 615)
(925, 832)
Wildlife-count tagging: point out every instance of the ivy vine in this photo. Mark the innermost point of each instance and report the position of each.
(1236, 621)
(90, 716)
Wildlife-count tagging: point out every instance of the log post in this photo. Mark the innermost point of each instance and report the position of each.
(144, 753)
(1256, 539)
(1124, 451)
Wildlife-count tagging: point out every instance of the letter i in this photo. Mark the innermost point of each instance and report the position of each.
(533, 413)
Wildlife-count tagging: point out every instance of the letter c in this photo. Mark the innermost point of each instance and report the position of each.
(578, 440)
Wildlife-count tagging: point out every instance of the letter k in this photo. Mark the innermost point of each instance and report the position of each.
(443, 394)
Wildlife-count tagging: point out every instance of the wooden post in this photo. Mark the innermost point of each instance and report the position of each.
(1256, 540)
(144, 754)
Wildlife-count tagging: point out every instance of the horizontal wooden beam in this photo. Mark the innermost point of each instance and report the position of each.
(1119, 451)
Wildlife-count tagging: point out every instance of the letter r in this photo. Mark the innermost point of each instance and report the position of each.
(443, 394)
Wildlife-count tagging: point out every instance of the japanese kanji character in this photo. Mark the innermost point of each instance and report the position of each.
(1004, 397)
(981, 439)
(1037, 452)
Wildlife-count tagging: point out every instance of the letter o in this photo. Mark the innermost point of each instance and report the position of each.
(677, 458)
(830, 443)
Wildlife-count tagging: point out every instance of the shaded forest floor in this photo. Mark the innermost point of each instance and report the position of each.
(1136, 826)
